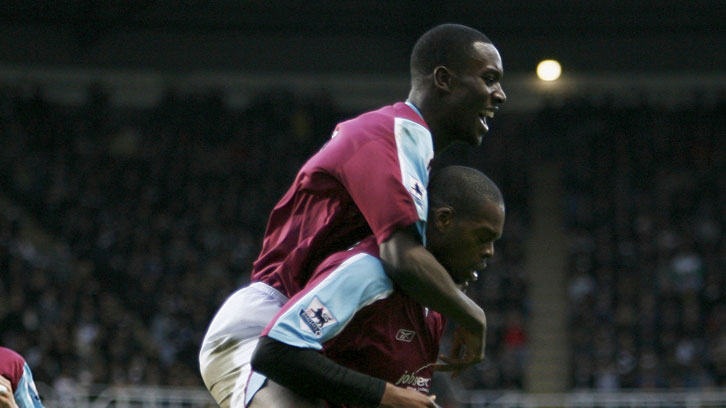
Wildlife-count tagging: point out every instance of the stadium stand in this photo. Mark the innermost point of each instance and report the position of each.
(122, 230)
(645, 213)
(154, 217)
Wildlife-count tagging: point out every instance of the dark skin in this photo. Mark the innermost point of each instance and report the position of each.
(455, 105)
(463, 243)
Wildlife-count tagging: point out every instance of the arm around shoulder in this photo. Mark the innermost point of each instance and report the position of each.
(424, 279)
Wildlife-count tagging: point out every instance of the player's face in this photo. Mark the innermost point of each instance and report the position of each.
(463, 243)
(476, 94)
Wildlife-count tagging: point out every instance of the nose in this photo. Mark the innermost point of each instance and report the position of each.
(487, 251)
(498, 95)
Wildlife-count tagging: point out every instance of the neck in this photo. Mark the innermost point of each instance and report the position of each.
(432, 115)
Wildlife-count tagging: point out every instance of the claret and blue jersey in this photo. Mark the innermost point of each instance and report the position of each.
(14, 368)
(370, 178)
(368, 181)
(353, 313)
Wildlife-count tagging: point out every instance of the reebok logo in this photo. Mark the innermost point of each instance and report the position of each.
(405, 335)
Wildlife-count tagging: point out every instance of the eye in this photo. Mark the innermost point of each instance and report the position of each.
(490, 80)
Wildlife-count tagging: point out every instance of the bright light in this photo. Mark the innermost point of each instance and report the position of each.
(549, 70)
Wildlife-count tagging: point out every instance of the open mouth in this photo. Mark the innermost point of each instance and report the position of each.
(483, 122)
(488, 113)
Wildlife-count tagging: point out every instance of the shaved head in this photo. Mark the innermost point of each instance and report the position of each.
(462, 188)
(447, 44)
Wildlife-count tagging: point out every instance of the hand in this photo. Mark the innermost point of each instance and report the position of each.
(467, 350)
(397, 397)
(7, 400)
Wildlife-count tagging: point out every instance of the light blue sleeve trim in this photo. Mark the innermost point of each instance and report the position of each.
(415, 151)
(330, 305)
(26, 395)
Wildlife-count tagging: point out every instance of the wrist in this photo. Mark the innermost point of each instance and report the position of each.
(391, 396)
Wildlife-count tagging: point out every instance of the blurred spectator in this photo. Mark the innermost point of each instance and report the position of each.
(645, 212)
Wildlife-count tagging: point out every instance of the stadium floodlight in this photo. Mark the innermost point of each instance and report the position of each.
(549, 70)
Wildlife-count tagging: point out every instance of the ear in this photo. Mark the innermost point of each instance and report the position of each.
(443, 217)
(442, 78)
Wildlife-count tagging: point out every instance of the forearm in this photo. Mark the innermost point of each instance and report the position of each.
(309, 373)
(425, 280)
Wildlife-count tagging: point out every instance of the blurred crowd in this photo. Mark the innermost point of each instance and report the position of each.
(131, 226)
(155, 217)
(646, 217)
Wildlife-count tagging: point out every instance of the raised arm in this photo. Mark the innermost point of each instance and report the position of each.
(422, 278)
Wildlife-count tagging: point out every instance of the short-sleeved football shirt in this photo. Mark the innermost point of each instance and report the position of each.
(353, 313)
(370, 178)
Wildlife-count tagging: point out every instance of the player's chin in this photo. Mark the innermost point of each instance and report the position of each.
(475, 140)
(477, 136)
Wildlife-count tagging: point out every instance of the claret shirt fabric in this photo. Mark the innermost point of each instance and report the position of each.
(353, 313)
(370, 178)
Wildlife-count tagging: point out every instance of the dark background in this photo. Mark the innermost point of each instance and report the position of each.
(361, 36)
(143, 144)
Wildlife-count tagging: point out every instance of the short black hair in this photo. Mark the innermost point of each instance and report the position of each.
(462, 188)
(445, 44)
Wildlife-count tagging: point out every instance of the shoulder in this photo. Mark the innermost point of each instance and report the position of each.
(11, 365)
(354, 274)
(353, 136)
(361, 255)
(361, 265)
(379, 122)
(7, 354)
(386, 115)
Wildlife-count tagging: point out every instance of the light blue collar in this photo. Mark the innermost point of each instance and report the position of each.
(412, 106)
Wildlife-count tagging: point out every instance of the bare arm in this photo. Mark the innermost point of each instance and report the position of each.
(422, 278)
